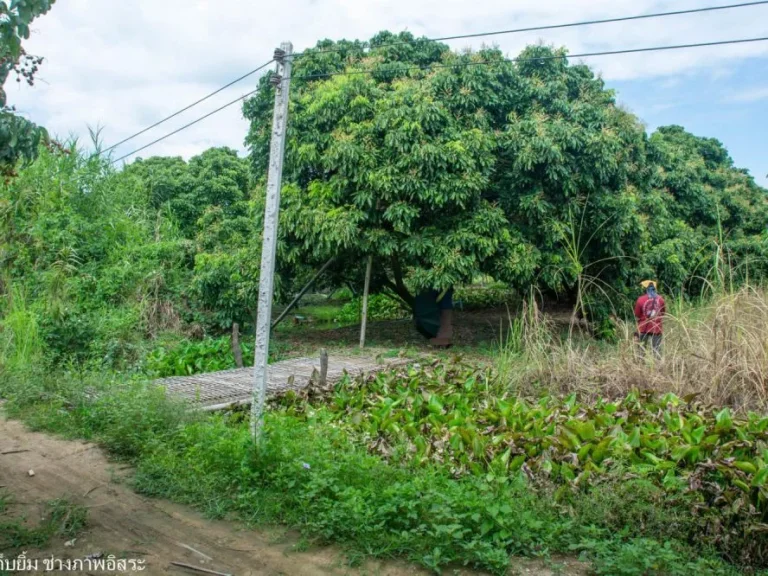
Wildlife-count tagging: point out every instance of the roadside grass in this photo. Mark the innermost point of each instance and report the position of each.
(60, 519)
(312, 474)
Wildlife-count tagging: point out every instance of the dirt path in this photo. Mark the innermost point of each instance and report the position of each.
(122, 523)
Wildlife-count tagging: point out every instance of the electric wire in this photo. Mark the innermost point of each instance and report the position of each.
(547, 27)
(200, 101)
(460, 65)
(536, 59)
(190, 124)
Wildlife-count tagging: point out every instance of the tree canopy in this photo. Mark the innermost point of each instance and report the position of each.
(444, 166)
(440, 165)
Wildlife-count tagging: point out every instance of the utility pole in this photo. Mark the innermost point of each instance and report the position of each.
(281, 81)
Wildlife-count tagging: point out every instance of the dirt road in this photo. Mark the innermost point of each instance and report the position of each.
(122, 523)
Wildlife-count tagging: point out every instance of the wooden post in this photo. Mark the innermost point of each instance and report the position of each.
(236, 351)
(365, 301)
(323, 367)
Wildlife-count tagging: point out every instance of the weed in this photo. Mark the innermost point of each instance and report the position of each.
(312, 474)
(715, 350)
(61, 518)
(5, 500)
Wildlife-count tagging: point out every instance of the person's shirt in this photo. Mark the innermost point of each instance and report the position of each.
(650, 314)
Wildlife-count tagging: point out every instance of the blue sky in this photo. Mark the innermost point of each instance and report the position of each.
(123, 65)
(730, 105)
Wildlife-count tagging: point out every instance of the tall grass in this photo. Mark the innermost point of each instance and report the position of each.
(20, 341)
(716, 349)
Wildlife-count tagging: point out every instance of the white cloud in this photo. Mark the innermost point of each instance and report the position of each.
(124, 65)
(752, 95)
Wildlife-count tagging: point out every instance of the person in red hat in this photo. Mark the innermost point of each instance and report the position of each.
(649, 312)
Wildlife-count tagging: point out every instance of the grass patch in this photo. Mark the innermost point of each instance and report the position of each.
(714, 349)
(315, 475)
(61, 519)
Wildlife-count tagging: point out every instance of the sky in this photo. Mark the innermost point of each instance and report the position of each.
(121, 66)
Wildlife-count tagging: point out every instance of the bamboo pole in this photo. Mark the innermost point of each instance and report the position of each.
(365, 301)
(301, 293)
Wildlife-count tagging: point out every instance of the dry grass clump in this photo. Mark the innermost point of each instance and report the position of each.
(717, 350)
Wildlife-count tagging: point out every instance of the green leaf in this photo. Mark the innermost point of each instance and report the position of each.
(747, 467)
(760, 477)
(723, 420)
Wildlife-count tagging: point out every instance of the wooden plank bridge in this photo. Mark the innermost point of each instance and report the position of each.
(229, 388)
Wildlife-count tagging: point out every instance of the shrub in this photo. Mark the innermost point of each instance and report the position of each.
(380, 307)
(708, 460)
(481, 297)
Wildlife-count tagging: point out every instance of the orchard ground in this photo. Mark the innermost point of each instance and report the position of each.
(120, 522)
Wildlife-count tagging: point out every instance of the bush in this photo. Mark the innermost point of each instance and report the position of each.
(380, 307)
(710, 464)
(194, 357)
(483, 297)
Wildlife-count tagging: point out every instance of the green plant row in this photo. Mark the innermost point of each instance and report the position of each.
(310, 474)
(457, 416)
(194, 357)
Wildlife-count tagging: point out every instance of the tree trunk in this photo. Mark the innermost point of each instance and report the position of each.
(399, 286)
(236, 351)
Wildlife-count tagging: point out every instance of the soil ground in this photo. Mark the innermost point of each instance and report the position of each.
(127, 525)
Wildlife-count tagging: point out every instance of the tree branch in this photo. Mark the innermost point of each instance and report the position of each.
(399, 286)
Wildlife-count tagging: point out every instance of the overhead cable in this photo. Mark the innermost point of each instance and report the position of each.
(201, 100)
(547, 27)
(190, 124)
(535, 59)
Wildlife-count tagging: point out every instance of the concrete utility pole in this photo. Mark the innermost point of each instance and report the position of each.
(281, 81)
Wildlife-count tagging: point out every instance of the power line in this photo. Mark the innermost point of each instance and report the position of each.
(462, 65)
(243, 97)
(201, 100)
(538, 58)
(549, 26)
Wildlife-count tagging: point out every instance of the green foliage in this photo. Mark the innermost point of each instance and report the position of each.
(20, 344)
(106, 260)
(647, 557)
(126, 415)
(207, 355)
(456, 416)
(208, 201)
(19, 138)
(386, 165)
(92, 264)
(380, 307)
(481, 297)
(526, 170)
(60, 518)
(187, 357)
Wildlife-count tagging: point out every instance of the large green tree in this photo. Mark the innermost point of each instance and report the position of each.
(393, 165)
(706, 218)
(443, 165)
(208, 201)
